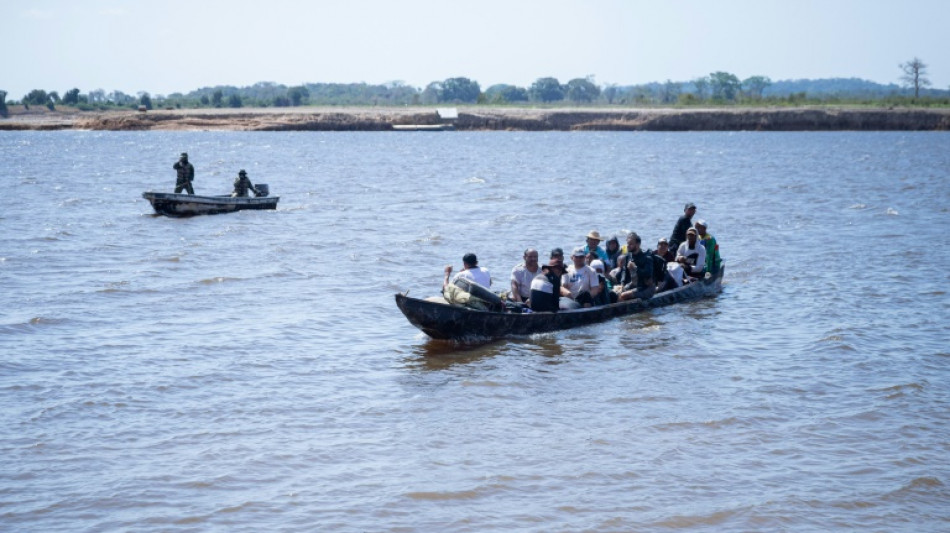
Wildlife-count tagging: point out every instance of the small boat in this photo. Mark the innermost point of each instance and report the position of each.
(441, 320)
(186, 205)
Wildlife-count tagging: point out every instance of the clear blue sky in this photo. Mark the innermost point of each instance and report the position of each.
(178, 46)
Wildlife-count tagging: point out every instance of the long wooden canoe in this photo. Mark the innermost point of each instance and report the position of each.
(454, 322)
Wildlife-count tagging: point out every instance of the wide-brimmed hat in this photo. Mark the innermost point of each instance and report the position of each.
(552, 265)
(594, 235)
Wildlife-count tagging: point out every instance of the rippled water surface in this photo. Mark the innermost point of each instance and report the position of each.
(250, 371)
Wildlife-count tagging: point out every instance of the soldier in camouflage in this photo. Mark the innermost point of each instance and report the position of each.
(242, 184)
(186, 173)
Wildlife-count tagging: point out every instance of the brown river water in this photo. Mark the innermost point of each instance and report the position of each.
(250, 371)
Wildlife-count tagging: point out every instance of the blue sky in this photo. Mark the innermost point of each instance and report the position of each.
(178, 46)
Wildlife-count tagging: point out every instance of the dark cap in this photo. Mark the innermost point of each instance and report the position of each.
(242, 172)
(690, 205)
(553, 265)
(184, 155)
(557, 252)
(470, 259)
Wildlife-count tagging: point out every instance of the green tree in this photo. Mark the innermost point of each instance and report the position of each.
(36, 97)
(546, 90)
(235, 100)
(915, 75)
(204, 100)
(146, 100)
(503, 93)
(670, 92)
(71, 97)
(754, 86)
(611, 92)
(4, 112)
(461, 90)
(724, 86)
(217, 97)
(701, 85)
(298, 95)
(581, 90)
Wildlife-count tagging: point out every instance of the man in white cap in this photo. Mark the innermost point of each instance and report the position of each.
(580, 284)
(709, 243)
(692, 255)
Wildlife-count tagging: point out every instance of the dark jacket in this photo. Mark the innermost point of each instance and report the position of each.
(644, 263)
(679, 231)
(186, 171)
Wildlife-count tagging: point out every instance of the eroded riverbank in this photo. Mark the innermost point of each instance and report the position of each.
(476, 118)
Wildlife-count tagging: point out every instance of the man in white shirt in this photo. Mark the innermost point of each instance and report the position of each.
(580, 283)
(692, 255)
(522, 275)
(470, 271)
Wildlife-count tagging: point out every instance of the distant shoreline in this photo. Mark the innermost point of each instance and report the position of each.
(479, 118)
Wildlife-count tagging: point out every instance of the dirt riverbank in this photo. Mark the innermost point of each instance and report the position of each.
(476, 118)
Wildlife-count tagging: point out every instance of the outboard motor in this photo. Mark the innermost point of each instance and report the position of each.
(262, 189)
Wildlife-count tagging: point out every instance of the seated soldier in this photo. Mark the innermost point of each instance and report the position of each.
(242, 184)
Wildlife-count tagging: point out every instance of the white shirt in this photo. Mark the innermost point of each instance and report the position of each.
(699, 252)
(476, 275)
(522, 278)
(580, 280)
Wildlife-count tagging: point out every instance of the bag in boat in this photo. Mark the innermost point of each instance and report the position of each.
(471, 294)
(676, 272)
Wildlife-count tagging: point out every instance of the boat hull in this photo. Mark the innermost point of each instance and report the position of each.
(186, 205)
(454, 322)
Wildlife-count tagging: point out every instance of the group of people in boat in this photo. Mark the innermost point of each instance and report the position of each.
(186, 174)
(601, 276)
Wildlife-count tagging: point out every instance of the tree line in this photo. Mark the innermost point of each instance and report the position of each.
(717, 88)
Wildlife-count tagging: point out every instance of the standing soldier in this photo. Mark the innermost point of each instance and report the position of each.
(242, 184)
(186, 173)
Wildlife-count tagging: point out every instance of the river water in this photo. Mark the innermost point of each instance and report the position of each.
(250, 371)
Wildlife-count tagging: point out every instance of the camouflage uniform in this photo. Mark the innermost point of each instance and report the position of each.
(186, 173)
(241, 185)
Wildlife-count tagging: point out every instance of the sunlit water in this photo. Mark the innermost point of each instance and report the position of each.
(250, 371)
